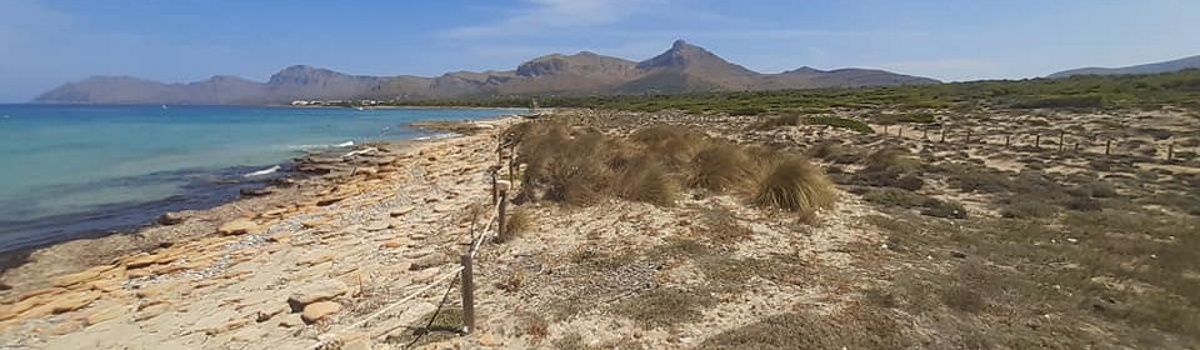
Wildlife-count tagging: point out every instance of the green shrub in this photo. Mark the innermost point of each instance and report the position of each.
(840, 123)
(747, 111)
(1064, 101)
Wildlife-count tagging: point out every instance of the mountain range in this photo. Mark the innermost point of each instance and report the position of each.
(682, 68)
(1152, 68)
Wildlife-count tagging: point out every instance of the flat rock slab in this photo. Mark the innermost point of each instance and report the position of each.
(316, 292)
(377, 226)
(401, 211)
(319, 310)
(239, 227)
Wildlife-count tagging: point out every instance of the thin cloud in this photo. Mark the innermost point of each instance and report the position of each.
(556, 14)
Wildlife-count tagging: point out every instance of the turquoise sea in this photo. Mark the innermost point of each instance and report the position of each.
(80, 171)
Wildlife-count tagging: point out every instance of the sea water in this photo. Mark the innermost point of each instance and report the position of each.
(79, 171)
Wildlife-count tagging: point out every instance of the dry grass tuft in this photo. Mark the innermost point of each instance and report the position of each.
(794, 184)
(674, 146)
(518, 222)
(721, 166)
(645, 180)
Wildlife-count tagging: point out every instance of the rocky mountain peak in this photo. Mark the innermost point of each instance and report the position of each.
(681, 54)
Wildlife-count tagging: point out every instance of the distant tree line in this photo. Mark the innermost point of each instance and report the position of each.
(1180, 89)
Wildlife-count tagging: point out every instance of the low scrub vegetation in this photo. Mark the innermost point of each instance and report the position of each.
(1082, 92)
(657, 164)
(843, 123)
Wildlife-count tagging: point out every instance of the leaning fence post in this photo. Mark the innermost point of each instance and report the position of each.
(1061, 139)
(968, 136)
(1037, 141)
(512, 165)
(900, 131)
(925, 134)
(1007, 138)
(1171, 151)
(943, 134)
(502, 207)
(1107, 146)
(468, 293)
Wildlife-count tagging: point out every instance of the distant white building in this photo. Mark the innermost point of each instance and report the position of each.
(300, 103)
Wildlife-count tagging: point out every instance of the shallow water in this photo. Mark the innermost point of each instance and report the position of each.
(72, 171)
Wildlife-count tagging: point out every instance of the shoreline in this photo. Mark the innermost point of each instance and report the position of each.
(231, 181)
(109, 281)
(302, 172)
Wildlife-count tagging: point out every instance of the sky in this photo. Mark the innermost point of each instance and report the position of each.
(44, 44)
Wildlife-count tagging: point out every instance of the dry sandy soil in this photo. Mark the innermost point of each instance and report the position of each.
(981, 255)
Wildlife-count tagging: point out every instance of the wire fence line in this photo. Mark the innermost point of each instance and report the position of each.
(474, 248)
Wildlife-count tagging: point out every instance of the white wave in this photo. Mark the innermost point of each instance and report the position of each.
(315, 147)
(263, 172)
(437, 136)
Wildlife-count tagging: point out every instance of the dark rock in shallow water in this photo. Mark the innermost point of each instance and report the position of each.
(168, 219)
(255, 192)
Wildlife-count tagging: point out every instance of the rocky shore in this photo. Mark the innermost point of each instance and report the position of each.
(272, 270)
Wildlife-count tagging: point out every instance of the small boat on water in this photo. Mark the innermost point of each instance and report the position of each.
(359, 108)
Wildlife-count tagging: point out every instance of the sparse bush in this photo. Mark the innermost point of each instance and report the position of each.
(963, 299)
(1024, 207)
(891, 168)
(843, 123)
(1064, 101)
(779, 122)
(853, 327)
(944, 209)
(793, 184)
(664, 307)
(906, 199)
(834, 152)
(747, 111)
(918, 118)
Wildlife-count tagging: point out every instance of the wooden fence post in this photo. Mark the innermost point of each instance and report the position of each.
(1061, 139)
(1037, 141)
(468, 293)
(1007, 138)
(512, 165)
(900, 131)
(502, 207)
(943, 134)
(495, 187)
(1171, 151)
(924, 133)
(968, 136)
(885, 127)
(1107, 146)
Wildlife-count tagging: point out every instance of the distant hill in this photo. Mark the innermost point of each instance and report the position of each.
(1153, 68)
(682, 68)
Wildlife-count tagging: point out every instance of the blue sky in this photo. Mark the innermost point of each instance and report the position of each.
(46, 43)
